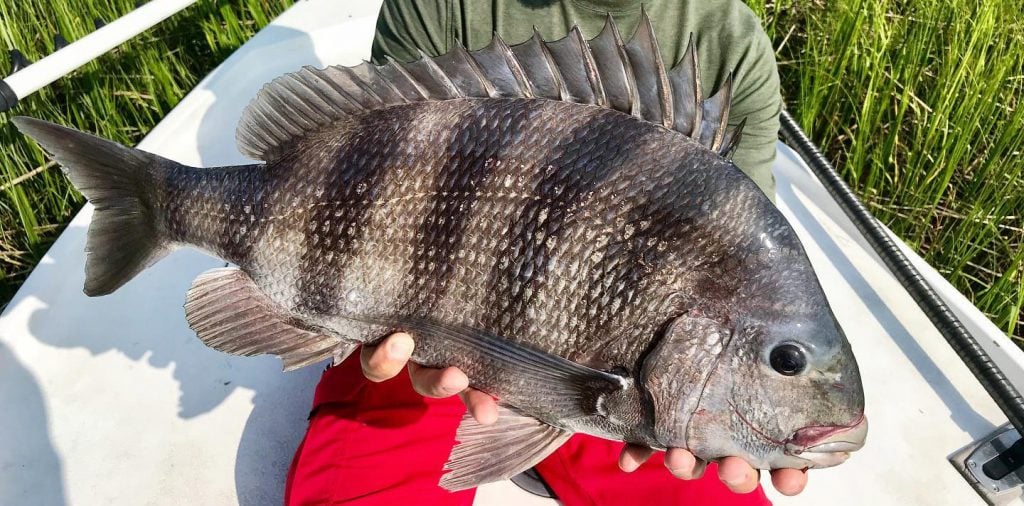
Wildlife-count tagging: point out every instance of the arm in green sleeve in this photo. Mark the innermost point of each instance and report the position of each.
(757, 98)
(405, 26)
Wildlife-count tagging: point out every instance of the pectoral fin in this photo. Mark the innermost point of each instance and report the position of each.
(486, 453)
(546, 384)
(230, 314)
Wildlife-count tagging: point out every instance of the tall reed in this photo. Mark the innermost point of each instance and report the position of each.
(918, 102)
(118, 96)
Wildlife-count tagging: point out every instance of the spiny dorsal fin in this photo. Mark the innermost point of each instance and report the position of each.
(605, 71)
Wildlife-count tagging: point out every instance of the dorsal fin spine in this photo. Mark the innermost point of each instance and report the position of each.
(634, 96)
(698, 89)
(387, 82)
(732, 140)
(515, 67)
(439, 74)
(591, 66)
(664, 91)
(477, 72)
(424, 95)
(723, 121)
(563, 92)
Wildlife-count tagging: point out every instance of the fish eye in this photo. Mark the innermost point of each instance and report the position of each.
(788, 359)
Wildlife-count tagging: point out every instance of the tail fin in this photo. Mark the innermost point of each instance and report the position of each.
(121, 182)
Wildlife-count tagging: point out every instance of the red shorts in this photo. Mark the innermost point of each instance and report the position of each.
(382, 444)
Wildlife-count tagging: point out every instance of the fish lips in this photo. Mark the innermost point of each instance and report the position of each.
(826, 446)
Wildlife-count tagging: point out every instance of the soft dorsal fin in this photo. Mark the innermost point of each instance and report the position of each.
(629, 77)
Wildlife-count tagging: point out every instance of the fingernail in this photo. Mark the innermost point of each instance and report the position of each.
(400, 348)
(628, 464)
(737, 482)
(683, 470)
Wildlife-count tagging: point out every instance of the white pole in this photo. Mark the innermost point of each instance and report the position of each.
(33, 77)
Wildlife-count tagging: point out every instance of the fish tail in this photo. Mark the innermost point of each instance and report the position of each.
(124, 237)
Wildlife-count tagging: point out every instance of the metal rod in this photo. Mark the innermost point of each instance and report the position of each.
(966, 347)
(60, 63)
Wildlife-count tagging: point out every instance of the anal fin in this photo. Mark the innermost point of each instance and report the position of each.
(486, 453)
(230, 314)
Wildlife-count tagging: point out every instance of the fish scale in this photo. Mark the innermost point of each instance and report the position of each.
(592, 257)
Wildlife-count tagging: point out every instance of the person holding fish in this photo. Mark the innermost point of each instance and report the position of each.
(570, 224)
(584, 470)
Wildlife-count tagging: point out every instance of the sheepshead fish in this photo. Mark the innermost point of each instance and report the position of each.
(558, 219)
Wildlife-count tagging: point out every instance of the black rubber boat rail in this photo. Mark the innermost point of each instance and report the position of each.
(964, 344)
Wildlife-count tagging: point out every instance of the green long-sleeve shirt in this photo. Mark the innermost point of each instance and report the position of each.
(729, 38)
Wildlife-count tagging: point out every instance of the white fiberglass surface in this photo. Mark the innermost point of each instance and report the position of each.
(113, 400)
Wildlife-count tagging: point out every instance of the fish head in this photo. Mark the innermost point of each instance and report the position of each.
(782, 391)
(783, 395)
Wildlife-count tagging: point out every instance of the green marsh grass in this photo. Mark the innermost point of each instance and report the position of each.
(120, 96)
(916, 101)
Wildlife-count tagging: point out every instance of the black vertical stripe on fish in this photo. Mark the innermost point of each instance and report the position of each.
(580, 161)
(350, 189)
(482, 133)
(652, 230)
(246, 209)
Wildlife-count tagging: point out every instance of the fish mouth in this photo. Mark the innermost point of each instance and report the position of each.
(829, 445)
(819, 445)
(829, 438)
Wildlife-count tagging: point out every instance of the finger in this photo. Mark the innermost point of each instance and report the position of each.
(384, 361)
(683, 464)
(737, 475)
(632, 456)
(481, 406)
(789, 481)
(430, 382)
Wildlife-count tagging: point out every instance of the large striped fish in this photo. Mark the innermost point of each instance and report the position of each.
(558, 219)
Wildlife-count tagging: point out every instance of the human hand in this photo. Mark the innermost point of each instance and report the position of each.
(386, 359)
(734, 472)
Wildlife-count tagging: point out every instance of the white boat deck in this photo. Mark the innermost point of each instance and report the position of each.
(113, 400)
